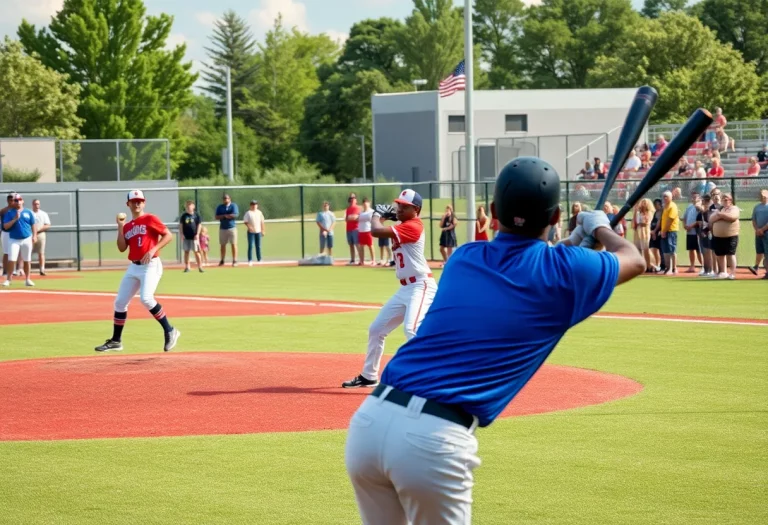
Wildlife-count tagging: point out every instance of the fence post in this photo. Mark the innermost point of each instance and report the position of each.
(98, 235)
(61, 162)
(168, 161)
(117, 148)
(431, 232)
(487, 204)
(197, 203)
(733, 189)
(373, 194)
(567, 210)
(77, 226)
(301, 205)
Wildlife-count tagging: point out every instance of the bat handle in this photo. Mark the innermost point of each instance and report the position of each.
(588, 242)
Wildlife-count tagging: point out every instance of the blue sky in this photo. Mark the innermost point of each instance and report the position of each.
(193, 19)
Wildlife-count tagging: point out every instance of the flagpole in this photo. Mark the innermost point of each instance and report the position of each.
(469, 120)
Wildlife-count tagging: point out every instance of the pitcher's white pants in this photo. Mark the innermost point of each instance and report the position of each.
(408, 306)
(409, 468)
(142, 279)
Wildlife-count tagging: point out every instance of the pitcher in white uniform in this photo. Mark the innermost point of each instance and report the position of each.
(417, 286)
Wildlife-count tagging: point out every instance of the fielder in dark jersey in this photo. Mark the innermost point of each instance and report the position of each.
(411, 447)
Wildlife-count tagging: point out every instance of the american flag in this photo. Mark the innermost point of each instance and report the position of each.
(456, 81)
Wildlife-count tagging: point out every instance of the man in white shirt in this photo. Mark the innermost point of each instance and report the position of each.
(633, 163)
(254, 221)
(42, 224)
(365, 238)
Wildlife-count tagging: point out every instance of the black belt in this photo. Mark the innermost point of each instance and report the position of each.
(433, 408)
(140, 263)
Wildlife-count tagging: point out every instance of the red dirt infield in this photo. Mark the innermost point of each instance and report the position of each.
(33, 306)
(214, 393)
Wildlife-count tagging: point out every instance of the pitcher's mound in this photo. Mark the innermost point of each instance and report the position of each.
(180, 394)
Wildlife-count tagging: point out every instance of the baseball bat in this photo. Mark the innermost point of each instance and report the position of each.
(698, 122)
(638, 115)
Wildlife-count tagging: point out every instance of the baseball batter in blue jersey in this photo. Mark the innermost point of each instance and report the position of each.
(411, 447)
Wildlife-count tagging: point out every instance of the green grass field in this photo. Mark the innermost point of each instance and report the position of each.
(690, 448)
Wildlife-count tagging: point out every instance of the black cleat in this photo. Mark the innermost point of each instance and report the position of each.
(110, 346)
(359, 382)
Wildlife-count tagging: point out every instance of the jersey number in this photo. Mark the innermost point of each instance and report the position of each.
(140, 239)
(400, 260)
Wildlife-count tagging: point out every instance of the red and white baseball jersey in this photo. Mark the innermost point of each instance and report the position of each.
(142, 234)
(408, 249)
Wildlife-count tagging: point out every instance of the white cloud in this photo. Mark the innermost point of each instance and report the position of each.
(32, 10)
(206, 18)
(337, 36)
(294, 15)
(176, 39)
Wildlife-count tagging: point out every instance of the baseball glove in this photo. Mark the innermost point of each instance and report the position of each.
(385, 211)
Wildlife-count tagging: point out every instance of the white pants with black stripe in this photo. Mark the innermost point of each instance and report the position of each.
(410, 468)
(408, 306)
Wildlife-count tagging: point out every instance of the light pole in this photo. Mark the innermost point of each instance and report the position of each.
(418, 82)
(362, 149)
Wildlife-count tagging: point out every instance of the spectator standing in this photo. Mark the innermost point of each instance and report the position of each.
(205, 240)
(447, 233)
(754, 168)
(482, 225)
(717, 171)
(670, 224)
(351, 216)
(715, 206)
(762, 157)
(691, 225)
(190, 225)
(42, 224)
(20, 225)
(599, 169)
(725, 236)
(641, 225)
(365, 238)
(226, 214)
(705, 242)
(655, 242)
(254, 222)
(326, 222)
(760, 224)
(575, 210)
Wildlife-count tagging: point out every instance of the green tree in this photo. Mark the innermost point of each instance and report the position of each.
(232, 46)
(742, 23)
(372, 44)
(497, 27)
(686, 64)
(36, 101)
(287, 74)
(432, 42)
(654, 8)
(562, 38)
(132, 87)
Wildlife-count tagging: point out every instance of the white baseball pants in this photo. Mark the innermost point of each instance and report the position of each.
(5, 239)
(20, 246)
(408, 306)
(409, 468)
(142, 279)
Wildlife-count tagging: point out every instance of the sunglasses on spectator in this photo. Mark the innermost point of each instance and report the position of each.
(18, 200)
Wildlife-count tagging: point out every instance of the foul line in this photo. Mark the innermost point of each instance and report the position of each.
(352, 306)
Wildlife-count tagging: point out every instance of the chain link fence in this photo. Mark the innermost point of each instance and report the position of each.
(114, 160)
(291, 211)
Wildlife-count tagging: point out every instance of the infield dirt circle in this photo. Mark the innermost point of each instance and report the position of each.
(205, 393)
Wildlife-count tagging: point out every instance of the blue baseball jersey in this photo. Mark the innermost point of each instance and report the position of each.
(500, 309)
(23, 227)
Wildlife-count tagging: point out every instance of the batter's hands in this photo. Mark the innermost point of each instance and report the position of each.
(385, 211)
(594, 220)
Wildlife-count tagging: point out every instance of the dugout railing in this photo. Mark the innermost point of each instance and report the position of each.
(290, 213)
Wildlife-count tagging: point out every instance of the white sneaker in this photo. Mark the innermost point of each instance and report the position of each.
(6, 283)
(703, 273)
(722, 275)
(731, 277)
(29, 282)
(16, 273)
(250, 263)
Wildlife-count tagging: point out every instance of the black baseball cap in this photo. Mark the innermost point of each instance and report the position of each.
(254, 201)
(527, 193)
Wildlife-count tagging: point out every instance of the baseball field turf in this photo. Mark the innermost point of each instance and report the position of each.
(226, 420)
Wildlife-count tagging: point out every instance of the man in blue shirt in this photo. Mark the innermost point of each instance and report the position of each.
(411, 447)
(22, 233)
(226, 213)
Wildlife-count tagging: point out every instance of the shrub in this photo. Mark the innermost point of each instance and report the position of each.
(20, 175)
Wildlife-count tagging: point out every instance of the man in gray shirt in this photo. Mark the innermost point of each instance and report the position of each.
(326, 222)
(691, 232)
(760, 224)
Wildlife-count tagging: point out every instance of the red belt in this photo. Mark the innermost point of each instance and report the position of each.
(411, 280)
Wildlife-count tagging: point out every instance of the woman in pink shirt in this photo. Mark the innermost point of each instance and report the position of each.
(754, 168)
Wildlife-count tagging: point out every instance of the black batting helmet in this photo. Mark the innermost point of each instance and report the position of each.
(527, 193)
